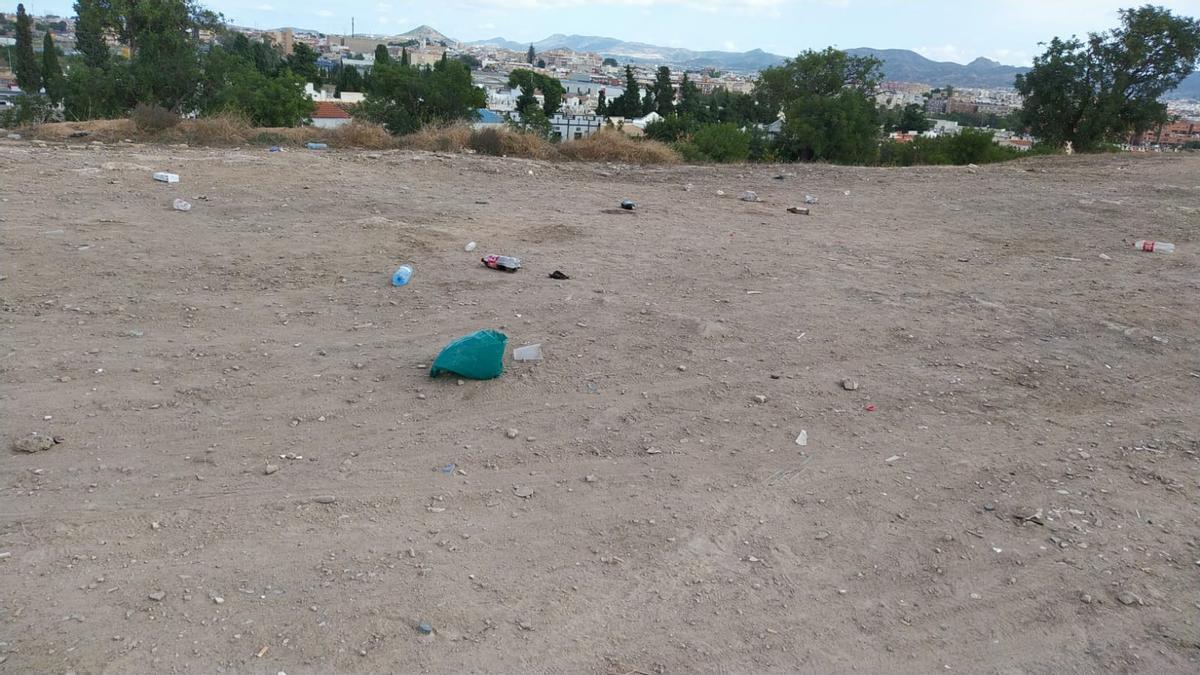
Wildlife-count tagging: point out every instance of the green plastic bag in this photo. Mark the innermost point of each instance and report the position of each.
(479, 356)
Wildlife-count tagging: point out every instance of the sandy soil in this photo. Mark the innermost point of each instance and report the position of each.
(1012, 487)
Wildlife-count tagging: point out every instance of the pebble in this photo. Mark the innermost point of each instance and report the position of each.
(653, 451)
(157, 596)
(590, 478)
(1128, 598)
(849, 384)
(270, 469)
(759, 398)
(1086, 599)
(976, 596)
(325, 499)
(681, 368)
(821, 535)
(511, 433)
(424, 628)
(420, 397)
(33, 443)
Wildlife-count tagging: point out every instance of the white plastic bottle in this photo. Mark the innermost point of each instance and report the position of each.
(1153, 246)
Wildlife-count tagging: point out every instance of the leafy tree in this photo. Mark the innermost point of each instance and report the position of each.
(470, 60)
(629, 103)
(664, 91)
(648, 103)
(1107, 87)
(601, 103)
(672, 128)
(610, 61)
(722, 142)
(303, 62)
(165, 64)
(232, 82)
(404, 98)
(98, 93)
(89, 33)
(689, 97)
(531, 82)
(52, 74)
(530, 55)
(25, 66)
(405, 59)
(349, 79)
(541, 63)
(381, 55)
(825, 97)
(909, 118)
(533, 120)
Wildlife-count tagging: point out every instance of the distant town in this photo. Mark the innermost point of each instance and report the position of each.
(589, 78)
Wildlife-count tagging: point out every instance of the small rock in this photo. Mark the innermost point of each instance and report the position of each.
(891, 459)
(524, 624)
(270, 469)
(424, 628)
(469, 247)
(522, 491)
(821, 535)
(681, 368)
(325, 499)
(1086, 599)
(976, 596)
(1128, 598)
(421, 397)
(849, 384)
(590, 478)
(759, 398)
(218, 600)
(1105, 256)
(511, 433)
(653, 451)
(33, 443)
(157, 596)
(749, 196)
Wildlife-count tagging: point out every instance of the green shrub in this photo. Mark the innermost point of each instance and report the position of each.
(722, 142)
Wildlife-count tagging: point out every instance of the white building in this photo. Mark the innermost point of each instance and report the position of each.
(574, 127)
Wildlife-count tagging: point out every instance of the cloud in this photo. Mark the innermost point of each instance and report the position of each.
(265, 8)
(730, 46)
(710, 6)
(946, 52)
(324, 12)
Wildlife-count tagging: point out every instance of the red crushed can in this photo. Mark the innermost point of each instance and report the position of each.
(502, 262)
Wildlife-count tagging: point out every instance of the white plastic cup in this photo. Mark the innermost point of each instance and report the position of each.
(528, 353)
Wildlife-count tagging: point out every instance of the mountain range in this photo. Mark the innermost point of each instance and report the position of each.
(901, 65)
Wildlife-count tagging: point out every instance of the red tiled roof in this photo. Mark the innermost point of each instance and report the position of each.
(327, 110)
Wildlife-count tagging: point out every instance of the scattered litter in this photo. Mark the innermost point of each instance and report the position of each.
(164, 177)
(969, 166)
(809, 199)
(891, 459)
(479, 356)
(749, 196)
(14, 137)
(528, 353)
(720, 193)
(760, 399)
(870, 407)
(511, 433)
(523, 491)
(324, 499)
(1105, 256)
(274, 148)
(316, 146)
(401, 276)
(448, 469)
(469, 247)
(80, 134)
(1154, 246)
(1063, 257)
(689, 187)
(847, 193)
(558, 275)
(181, 205)
(802, 439)
(501, 262)
(424, 628)
(628, 205)
(798, 210)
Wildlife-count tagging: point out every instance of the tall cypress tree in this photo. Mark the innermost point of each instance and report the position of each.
(381, 55)
(530, 55)
(404, 60)
(25, 66)
(52, 74)
(89, 33)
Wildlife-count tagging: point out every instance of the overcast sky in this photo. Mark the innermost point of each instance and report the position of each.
(946, 30)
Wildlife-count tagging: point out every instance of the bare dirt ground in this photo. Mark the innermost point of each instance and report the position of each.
(1012, 487)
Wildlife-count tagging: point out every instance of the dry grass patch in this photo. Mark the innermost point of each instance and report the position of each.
(439, 138)
(609, 145)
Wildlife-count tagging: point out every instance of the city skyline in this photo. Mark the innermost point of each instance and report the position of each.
(937, 29)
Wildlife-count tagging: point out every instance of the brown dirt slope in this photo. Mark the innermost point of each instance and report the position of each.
(1011, 488)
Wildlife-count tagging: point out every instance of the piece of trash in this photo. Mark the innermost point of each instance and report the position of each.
(720, 193)
(478, 356)
(558, 275)
(799, 210)
(522, 491)
(749, 196)
(449, 468)
(164, 177)
(325, 499)
(469, 247)
(316, 146)
(846, 193)
(628, 205)
(1154, 246)
(180, 205)
(14, 137)
(502, 262)
(274, 148)
(870, 407)
(401, 276)
(80, 134)
(891, 459)
(1105, 256)
(528, 353)
(809, 199)
(424, 628)
(802, 439)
